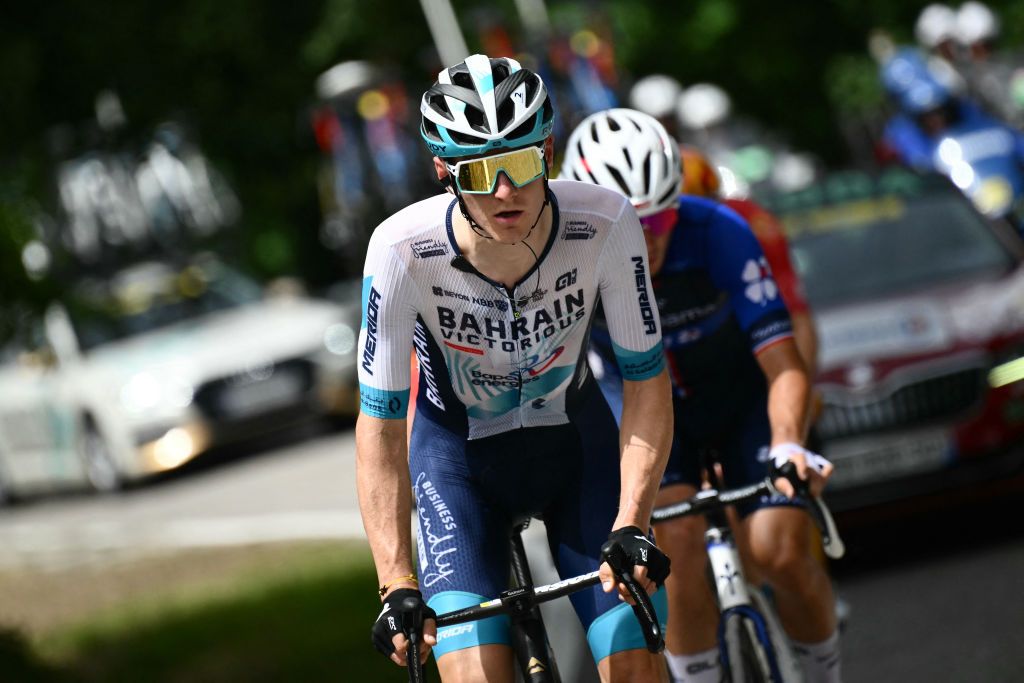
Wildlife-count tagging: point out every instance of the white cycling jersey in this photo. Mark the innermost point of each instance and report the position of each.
(491, 359)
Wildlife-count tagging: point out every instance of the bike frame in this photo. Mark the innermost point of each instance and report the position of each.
(726, 572)
(520, 603)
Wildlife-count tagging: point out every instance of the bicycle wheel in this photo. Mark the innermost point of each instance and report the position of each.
(748, 655)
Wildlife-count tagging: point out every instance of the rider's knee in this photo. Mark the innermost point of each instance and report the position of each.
(681, 538)
(784, 560)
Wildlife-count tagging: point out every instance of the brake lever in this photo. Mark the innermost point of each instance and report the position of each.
(412, 627)
(831, 542)
(643, 608)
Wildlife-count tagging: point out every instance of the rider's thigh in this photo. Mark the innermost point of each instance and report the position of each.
(483, 664)
(778, 540)
(683, 538)
(633, 666)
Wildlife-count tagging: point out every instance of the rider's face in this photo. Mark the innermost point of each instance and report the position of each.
(508, 213)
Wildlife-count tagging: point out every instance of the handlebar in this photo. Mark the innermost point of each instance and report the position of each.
(521, 600)
(711, 499)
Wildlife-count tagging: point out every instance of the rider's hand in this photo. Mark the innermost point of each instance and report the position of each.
(811, 467)
(388, 637)
(650, 565)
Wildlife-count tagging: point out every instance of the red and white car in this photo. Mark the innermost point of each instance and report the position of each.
(919, 303)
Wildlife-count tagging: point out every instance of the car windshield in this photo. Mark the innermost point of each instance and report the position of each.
(149, 297)
(886, 245)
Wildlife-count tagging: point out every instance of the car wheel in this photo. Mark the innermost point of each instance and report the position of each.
(98, 462)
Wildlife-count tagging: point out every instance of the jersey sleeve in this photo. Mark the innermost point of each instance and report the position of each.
(385, 336)
(769, 234)
(738, 266)
(627, 296)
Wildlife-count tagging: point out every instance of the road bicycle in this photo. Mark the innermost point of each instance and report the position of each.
(530, 643)
(752, 645)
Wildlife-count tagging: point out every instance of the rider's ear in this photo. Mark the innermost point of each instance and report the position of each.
(549, 151)
(442, 175)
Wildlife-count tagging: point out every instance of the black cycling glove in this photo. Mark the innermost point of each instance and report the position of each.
(639, 550)
(390, 620)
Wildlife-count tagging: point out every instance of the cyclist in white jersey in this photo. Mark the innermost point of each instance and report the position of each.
(494, 284)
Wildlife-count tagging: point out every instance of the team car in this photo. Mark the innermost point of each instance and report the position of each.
(140, 372)
(919, 303)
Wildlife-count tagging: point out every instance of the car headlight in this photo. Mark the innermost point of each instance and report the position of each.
(340, 339)
(145, 391)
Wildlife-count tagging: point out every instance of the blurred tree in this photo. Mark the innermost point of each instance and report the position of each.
(241, 72)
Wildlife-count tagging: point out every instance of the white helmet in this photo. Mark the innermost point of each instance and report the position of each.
(935, 24)
(629, 152)
(975, 22)
(655, 95)
(483, 104)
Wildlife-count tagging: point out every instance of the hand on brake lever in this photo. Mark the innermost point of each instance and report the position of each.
(649, 565)
(811, 467)
(388, 636)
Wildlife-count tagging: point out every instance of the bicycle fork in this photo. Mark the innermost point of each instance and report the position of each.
(530, 642)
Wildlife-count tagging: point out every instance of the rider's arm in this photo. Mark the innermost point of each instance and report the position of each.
(634, 328)
(738, 265)
(644, 443)
(382, 471)
(383, 484)
(787, 391)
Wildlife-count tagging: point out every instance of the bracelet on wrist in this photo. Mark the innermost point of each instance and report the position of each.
(407, 578)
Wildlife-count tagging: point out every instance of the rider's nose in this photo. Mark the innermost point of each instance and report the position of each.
(504, 187)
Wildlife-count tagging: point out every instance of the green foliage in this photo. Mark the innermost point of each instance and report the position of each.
(310, 623)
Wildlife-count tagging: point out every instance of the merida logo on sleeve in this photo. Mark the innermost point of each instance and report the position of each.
(370, 347)
(646, 311)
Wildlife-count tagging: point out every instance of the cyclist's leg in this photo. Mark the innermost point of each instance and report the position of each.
(777, 534)
(578, 525)
(691, 637)
(463, 555)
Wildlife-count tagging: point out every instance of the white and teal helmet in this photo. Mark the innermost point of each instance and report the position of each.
(483, 104)
(629, 152)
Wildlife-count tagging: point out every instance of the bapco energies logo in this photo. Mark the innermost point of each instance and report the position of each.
(761, 288)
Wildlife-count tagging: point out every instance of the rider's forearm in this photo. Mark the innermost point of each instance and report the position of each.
(806, 338)
(385, 499)
(644, 438)
(787, 405)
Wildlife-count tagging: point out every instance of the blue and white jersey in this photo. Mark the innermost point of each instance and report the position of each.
(719, 306)
(493, 359)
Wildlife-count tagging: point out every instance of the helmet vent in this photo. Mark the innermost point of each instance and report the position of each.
(612, 125)
(647, 171)
(620, 180)
(629, 159)
(475, 118)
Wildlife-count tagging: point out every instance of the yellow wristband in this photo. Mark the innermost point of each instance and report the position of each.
(408, 578)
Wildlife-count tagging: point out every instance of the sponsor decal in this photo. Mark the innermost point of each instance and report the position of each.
(428, 248)
(500, 304)
(646, 310)
(419, 341)
(380, 403)
(436, 541)
(464, 330)
(578, 230)
(565, 280)
(372, 312)
(451, 631)
(761, 287)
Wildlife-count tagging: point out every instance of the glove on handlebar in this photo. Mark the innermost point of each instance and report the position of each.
(781, 454)
(641, 551)
(390, 620)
